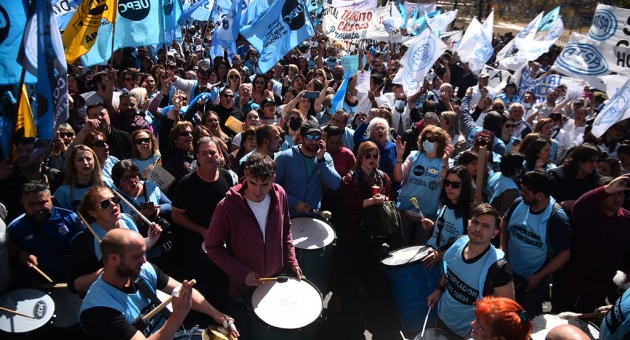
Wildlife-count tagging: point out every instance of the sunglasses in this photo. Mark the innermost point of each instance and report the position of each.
(142, 141)
(129, 79)
(234, 77)
(454, 185)
(510, 126)
(260, 83)
(311, 137)
(184, 133)
(105, 204)
(431, 139)
(319, 75)
(128, 179)
(371, 155)
(66, 134)
(228, 96)
(99, 144)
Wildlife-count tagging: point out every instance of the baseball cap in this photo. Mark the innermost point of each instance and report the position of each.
(310, 126)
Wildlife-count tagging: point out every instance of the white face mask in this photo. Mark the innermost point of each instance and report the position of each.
(527, 105)
(400, 104)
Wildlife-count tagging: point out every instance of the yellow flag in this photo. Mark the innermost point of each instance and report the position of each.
(25, 123)
(80, 34)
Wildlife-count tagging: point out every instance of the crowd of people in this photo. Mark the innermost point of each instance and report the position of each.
(515, 194)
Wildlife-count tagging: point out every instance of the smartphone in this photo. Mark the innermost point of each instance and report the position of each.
(311, 95)
(145, 205)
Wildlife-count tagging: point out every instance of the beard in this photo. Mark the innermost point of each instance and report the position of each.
(126, 271)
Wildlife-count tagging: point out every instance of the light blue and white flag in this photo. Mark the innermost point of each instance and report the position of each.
(204, 7)
(488, 25)
(255, 9)
(475, 47)
(337, 102)
(281, 28)
(614, 111)
(52, 86)
(64, 10)
(549, 20)
(12, 25)
(582, 58)
(556, 30)
(422, 53)
(226, 33)
(530, 30)
(136, 24)
(440, 22)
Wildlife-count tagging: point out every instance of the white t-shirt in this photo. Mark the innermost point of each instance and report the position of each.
(261, 210)
(364, 105)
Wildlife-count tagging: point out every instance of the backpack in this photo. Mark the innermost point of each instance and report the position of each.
(381, 221)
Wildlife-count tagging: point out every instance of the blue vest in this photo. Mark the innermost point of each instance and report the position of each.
(144, 164)
(102, 294)
(127, 223)
(616, 324)
(70, 198)
(498, 184)
(423, 182)
(464, 285)
(527, 249)
(452, 227)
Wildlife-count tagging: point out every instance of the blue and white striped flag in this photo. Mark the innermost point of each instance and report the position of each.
(337, 102)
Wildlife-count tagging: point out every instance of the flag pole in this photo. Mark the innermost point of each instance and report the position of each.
(111, 60)
(16, 112)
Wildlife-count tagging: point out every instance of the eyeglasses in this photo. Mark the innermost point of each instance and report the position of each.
(431, 139)
(295, 118)
(228, 96)
(142, 141)
(479, 328)
(259, 83)
(510, 126)
(99, 144)
(184, 133)
(106, 203)
(253, 54)
(371, 155)
(311, 137)
(127, 179)
(234, 77)
(66, 134)
(129, 79)
(454, 185)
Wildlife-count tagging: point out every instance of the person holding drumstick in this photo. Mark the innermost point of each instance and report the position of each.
(115, 300)
(253, 221)
(473, 268)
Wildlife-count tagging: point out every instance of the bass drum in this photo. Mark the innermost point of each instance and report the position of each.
(544, 323)
(29, 302)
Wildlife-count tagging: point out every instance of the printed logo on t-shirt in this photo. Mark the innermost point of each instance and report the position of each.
(521, 233)
(63, 230)
(460, 291)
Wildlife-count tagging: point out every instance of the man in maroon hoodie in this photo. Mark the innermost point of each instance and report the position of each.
(254, 223)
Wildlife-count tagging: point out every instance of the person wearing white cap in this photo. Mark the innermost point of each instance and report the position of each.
(483, 78)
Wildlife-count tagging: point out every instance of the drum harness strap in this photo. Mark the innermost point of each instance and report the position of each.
(151, 295)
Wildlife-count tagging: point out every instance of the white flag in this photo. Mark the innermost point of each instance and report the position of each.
(475, 48)
(422, 53)
(556, 30)
(530, 30)
(440, 22)
(615, 110)
(488, 25)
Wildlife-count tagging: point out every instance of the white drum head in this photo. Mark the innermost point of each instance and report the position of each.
(26, 301)
(433, 334)
(406, 255)
(290, 305)
(544, 323)
(311, 233)
(67, 307)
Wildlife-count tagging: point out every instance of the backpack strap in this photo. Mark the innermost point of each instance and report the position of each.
(492, 273)
(554, 210)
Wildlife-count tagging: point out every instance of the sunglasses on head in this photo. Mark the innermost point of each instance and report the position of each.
(66, 134)
(454, 185)
(99, 144)
(311, 137)
(431, 139)
(105, 204)
(142, 141)
(371, 155)
(184, 133)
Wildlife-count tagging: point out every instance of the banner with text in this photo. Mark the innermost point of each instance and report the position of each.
(343, 24)
(540, 86)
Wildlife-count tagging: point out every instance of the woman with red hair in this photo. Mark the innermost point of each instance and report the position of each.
(500, 318)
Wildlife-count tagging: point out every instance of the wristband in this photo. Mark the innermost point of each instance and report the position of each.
(399, 161)
(440, 288)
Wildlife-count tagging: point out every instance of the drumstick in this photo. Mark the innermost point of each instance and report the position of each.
(146, 220)
(280, 279)
(425, 322)
(571, 315)
(87, 225)
(42, 273)
(161, 306)
(16, 313)
(323, 213)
